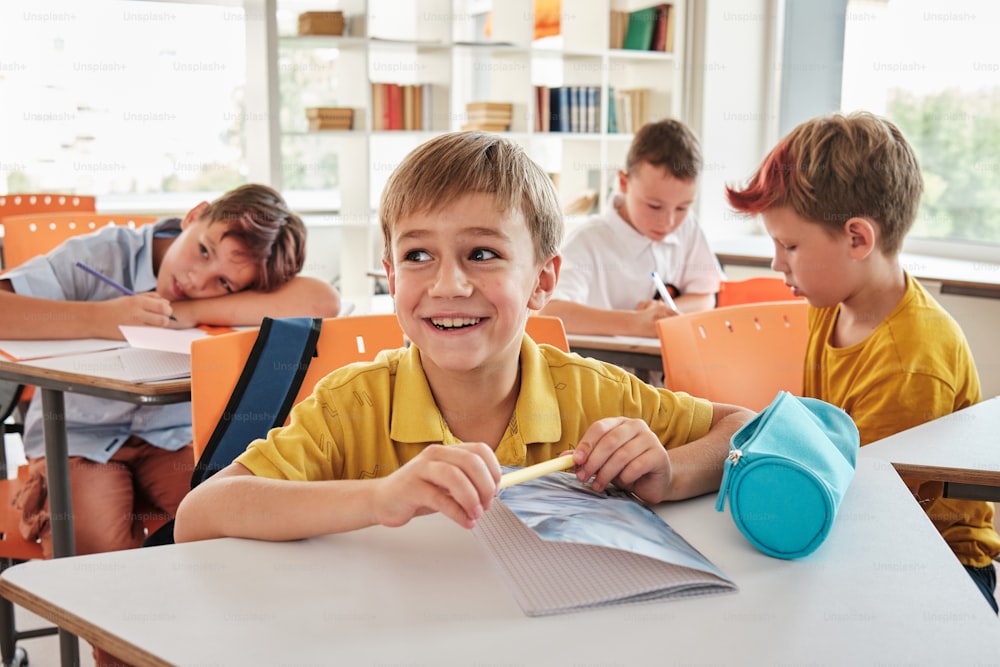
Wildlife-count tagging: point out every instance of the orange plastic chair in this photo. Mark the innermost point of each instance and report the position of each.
(754, 290)
(217, 362)
(737, 354)
(547, 329)
(26, 236)
(20, 204)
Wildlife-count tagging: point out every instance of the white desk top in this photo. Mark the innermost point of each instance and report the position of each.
(883, 589)
(962, 447)
(635, 344)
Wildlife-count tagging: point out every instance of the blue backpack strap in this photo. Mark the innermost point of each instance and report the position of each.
(265, 392)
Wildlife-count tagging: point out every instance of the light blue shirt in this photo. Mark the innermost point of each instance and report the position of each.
(97, 427)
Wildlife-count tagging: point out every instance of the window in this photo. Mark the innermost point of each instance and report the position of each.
(122, 99)
(933, 68)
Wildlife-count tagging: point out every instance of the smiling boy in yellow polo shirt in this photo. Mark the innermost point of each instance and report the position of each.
(472, 228)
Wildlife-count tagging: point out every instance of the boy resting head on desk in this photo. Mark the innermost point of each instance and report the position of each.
(471, 227)
(607, 285)
(228, 262)
(837, 195)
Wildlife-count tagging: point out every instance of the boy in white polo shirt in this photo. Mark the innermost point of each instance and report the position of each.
(606, 286)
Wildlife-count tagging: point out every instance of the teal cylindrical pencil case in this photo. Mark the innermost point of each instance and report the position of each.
(786, 473)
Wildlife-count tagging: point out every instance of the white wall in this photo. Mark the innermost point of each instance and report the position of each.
(737, 120)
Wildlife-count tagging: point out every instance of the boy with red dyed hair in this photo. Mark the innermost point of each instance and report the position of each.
(837, 196)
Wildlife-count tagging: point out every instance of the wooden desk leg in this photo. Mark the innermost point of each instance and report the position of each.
(60, 505)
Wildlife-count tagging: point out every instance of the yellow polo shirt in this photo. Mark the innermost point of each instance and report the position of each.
(366, 420)
(914, 367)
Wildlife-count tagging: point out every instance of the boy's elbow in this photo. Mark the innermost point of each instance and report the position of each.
(184, 528)
(324, 299)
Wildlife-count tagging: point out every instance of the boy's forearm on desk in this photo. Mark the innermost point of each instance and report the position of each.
(30, 318)
(581, 319)
(304, 297)
(243, 505)
(697, 466)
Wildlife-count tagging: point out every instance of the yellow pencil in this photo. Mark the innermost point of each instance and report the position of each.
(537, 470)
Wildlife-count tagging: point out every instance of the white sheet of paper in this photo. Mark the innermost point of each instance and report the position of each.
(23, 350)
(160, 338)
(129, 364)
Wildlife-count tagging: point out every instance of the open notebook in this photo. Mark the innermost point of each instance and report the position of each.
(149, 354)
(563, 547)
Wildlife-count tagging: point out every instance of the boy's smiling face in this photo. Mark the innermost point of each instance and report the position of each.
(202, 263)
(463, 279)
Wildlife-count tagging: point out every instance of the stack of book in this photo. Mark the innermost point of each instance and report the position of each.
(488, 116)
(567, 108)
(649, 29)
(419, 106)
(628, 110)
(321, 23)
(330, 118)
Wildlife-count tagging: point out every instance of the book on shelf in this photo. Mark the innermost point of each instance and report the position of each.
(503, 107)
(647, 29)
(618, 26)
(398, 106)
(319, 124)
(630, 109)
(489, 116)
(330, 118)
(568, 108)
(639, 34)
(563, 547)
(485, 127)
(612, 112)
(321, 23)
(663, 33)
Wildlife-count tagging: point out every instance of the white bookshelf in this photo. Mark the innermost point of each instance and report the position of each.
(441, 43)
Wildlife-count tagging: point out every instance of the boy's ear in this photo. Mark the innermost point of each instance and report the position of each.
(548, 276)
(862, 235)
(390, 274)
(194, 214)
(622, 181)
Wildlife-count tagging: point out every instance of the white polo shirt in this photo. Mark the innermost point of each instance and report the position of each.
(607, 263)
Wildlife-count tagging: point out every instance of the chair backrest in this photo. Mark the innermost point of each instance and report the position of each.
(26, 236)
(21, 204)
(754, 290)
(738, 354)
(218, 361)
(547, 329)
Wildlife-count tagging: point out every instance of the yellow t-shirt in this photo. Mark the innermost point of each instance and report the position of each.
(367, 420)
(914, 367)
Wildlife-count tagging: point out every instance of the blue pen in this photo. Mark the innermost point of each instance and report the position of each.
(664, 293)
(103, 278)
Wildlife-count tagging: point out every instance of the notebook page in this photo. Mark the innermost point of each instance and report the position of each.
(24, 350)
(550, 577)
(162, 338)
(127, 364)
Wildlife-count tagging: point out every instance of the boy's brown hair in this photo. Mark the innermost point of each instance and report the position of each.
(669, 144)
(439, 172)
(274, 236)
(837, 167)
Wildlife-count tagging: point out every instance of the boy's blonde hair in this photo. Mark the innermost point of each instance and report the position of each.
(668, 144)
(274, 236)
(441, 171)
(837, 167)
